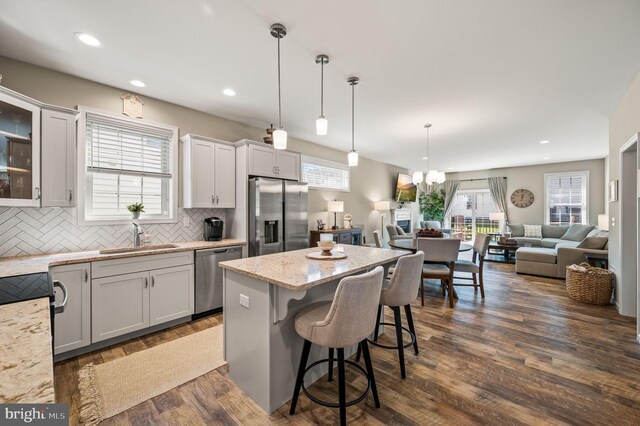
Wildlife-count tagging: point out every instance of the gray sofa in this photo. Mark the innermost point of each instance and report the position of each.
(552, 235)
(553, 262)
(434, 224)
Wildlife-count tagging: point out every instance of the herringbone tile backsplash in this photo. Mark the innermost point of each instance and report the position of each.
(25, 231)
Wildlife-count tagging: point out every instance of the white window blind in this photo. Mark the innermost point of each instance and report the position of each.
(566, 198)
(126, 163)
(323, 174)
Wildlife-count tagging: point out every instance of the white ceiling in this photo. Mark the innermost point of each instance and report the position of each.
(494, 77)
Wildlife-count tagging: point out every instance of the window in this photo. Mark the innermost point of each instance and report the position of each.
(124, 161)
(323, 174)
(566, 198)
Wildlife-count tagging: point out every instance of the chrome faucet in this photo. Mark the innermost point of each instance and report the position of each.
(137, 231)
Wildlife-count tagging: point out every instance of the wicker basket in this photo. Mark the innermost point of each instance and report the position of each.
(589, 284)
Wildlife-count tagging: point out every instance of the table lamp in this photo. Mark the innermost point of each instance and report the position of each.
(603, 222)
(335, 207)
(498, 216)
(382, 206)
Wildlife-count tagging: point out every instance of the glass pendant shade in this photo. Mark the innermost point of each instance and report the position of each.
(322, 125)
(417, 178)
(441, 177)
(280, 139)
(352, 158)
(432, 177)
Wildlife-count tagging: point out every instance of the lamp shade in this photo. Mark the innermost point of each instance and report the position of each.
(335, 206)
(417, 178)
(603, 222)
(496, 216)
(382, 206)
(280, 139)
(441, 177)
(322, 125)
(352, 158)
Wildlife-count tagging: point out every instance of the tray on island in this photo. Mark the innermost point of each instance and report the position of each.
(332, 255)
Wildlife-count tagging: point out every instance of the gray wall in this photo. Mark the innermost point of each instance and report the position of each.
(623, 124)
(532, 178)
(370, 181)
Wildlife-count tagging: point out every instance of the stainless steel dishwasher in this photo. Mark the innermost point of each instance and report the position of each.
(209, 277)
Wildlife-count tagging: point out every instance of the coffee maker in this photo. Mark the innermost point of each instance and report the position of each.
(213, 229)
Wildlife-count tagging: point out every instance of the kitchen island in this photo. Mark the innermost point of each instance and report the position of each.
(261, 298)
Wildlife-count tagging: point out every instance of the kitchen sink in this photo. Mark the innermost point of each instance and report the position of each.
(137, 249)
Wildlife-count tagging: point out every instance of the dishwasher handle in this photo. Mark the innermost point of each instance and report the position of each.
(209, 252)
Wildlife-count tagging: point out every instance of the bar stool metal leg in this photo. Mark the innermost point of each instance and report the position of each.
(407, 312)
(396, 314)
(330, 364)
(367, 361)
(342, 394)
(378, 321)
(300, 377)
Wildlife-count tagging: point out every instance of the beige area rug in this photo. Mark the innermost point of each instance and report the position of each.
(115, 386)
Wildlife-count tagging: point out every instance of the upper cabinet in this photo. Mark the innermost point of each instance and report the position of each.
(19, 150)
(268, 162)
(37, 152)
(209, 173)
(58, 156)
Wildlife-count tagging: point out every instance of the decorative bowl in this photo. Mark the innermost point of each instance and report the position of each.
(326, 247)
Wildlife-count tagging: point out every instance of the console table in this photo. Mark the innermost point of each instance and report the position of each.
(351, 236)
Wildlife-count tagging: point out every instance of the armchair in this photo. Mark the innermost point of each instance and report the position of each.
(397, 233)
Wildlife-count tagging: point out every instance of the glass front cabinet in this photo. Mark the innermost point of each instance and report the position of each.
(19, 151)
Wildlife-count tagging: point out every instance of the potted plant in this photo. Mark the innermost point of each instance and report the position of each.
(432, 204)
(136, 209)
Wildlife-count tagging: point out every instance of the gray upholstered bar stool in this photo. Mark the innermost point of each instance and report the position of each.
(401, 290)
(342, 323)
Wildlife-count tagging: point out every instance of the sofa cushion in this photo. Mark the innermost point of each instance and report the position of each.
(577, 232)
(431, 224)
(517, 230)
(524, 241)
(596, 243)
(532, 231)
(554, 231)
(536, 254)
(550, 242)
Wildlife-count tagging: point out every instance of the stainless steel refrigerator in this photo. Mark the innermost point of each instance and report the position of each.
(277, 216)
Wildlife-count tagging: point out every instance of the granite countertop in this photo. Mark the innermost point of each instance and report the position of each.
(292, 270)
(26, 361)
(10, 266)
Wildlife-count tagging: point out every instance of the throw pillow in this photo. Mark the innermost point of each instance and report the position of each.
(400, 230)
(577, 232)
(533, 231)
(595, 243)
(516, 230)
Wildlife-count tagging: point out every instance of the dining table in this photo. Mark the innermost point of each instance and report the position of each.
(411, 244)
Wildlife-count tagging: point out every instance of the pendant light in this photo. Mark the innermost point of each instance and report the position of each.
(353, 154)
(279, 135)
(430, 176)
(321, 123)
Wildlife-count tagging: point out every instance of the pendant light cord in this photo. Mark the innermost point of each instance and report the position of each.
(322, 88)
(353, 114)
(279, 90)
(428, 148)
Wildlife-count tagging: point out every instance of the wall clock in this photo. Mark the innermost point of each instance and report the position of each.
(522, 198)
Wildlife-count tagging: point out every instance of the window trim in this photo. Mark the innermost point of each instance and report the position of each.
(82, 170)
(327, 163)
(585, 193)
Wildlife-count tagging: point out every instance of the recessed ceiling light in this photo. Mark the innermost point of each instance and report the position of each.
(449, 168)
(137, 83)
(229, 92)
(425, 158)
(544, 142)
(546, 158)
(88, 39)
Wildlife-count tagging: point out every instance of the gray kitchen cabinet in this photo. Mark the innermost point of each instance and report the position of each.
(58, 129)
(119, 305)
(73, 326)
(171, 294)
(208, 172)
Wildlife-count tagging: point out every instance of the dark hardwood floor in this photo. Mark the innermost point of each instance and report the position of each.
(527, 354)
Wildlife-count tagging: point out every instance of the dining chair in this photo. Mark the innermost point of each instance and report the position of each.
(440, 255)
(377, 237)
(475, 265)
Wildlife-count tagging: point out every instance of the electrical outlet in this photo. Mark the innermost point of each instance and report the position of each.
(244, 301)
(186, 221)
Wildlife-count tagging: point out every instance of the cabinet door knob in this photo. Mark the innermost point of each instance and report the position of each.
(217, 200)
(38, 194)
(146, 282)
(153, 281)
(213, 199)
(86, 276)
(70, 195)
